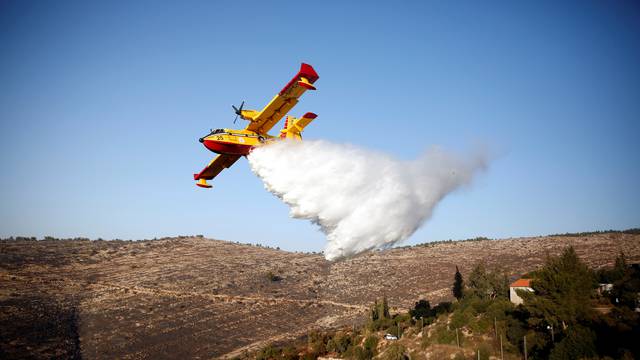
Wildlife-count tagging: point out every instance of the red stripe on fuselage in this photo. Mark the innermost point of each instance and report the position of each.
(227, 148)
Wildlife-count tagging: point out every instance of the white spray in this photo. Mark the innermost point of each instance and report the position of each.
(361, 199)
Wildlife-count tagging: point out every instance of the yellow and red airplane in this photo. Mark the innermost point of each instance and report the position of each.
(230, 144)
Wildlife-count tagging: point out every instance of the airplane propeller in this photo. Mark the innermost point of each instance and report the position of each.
(238, 111)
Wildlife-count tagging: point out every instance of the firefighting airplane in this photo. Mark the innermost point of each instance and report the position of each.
(230, 144)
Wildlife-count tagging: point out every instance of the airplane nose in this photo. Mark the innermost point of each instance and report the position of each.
(201, 140)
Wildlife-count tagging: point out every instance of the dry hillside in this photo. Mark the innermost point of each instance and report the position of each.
(201, 298)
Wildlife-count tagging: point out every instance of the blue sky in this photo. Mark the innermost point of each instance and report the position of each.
(102, 103)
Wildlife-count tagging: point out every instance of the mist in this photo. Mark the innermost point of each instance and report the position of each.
(361, 199)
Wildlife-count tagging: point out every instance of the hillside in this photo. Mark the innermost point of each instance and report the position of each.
(209, 298)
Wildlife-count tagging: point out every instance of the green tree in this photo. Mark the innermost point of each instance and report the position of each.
(380, 310)
(384, 308)
(627, 285)
(442, 308)
(458, 285)
(479, 284)
(620, 268)
(499, 285)
(379, 315)
(610, 276)
(578, 344)
(373, 312)
(562, 291)
(422, 309)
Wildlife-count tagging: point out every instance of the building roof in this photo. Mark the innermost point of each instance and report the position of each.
(521, 283)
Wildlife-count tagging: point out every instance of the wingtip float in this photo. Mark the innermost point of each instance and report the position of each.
(230, 144)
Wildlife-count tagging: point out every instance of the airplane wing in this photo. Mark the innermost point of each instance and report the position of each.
(286, 99)
(214, 168)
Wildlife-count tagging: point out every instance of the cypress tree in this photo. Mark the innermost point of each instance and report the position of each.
(383, 313)
(458, 285)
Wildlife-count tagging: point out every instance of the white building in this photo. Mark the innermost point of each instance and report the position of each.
(520, 284)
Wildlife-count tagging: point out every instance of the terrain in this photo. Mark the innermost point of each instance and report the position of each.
(203, 298)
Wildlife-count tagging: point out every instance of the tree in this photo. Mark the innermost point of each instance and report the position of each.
(610, 276)
(578, 344)
(380, 310)
(385, 307)
(620, 267)
(374, 311)
(500, 285)
(421, 310)
(380, 317)
(562, 291)
(486, 285)
(478, 282)
(626, 286)
(458, 285)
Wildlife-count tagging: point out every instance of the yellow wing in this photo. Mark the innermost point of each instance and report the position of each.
(284, 101)
(214, 168)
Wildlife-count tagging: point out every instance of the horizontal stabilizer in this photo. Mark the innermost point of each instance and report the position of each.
(293, 126)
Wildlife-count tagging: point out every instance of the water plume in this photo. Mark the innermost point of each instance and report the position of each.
(361, 199)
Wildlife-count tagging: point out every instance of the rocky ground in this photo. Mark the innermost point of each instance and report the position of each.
(201, 298)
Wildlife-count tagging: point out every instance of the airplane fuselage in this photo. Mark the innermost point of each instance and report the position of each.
(233, 142)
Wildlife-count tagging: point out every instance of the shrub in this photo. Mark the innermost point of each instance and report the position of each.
(395, 352)
(481, 325)
(462, 318)
(289, 353)
(371, 344)
(367, 351)
(317, 343)
(359, 353)
(485, 351)
(444, 335)
(443, 308)
(269, 352)
(273, 277)
(339, 343)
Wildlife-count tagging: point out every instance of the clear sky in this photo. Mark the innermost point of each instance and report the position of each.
(102, 104)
